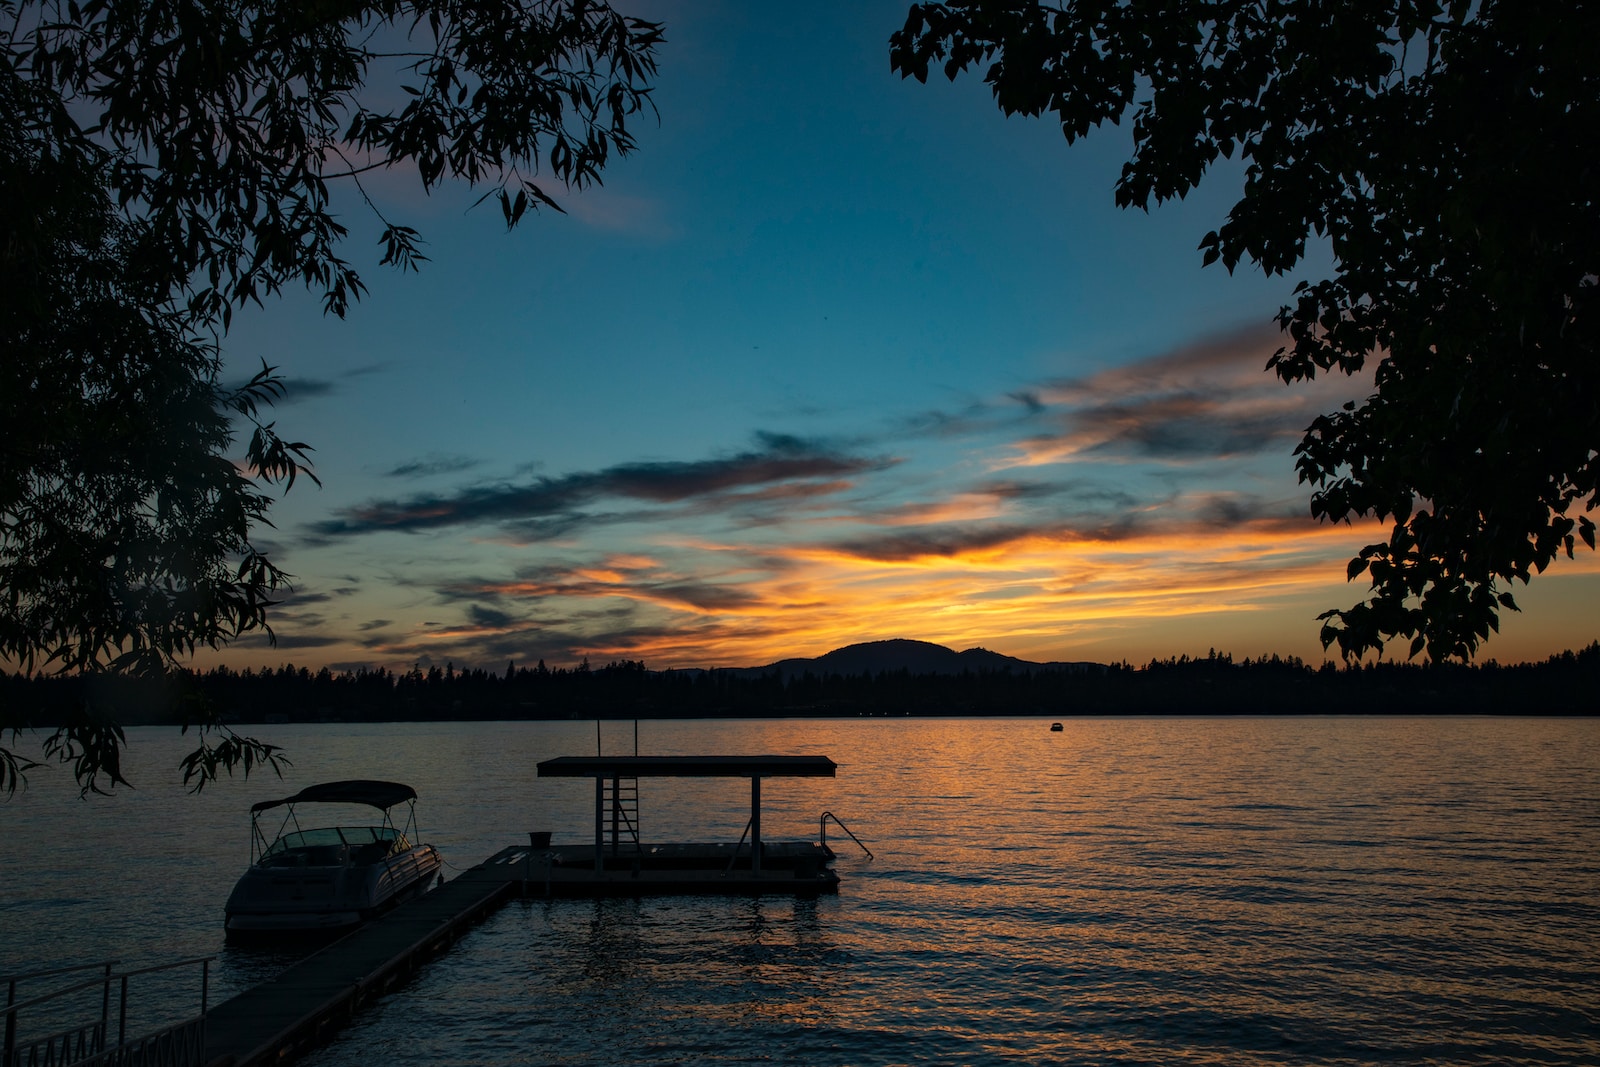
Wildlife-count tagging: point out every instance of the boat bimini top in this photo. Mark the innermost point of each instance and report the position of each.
(370, 792)
(374, 794)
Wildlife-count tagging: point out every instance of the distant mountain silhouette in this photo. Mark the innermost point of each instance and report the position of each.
(914, 657)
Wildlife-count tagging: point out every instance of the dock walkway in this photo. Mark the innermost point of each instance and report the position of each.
(304, 1005)
(307, 1003)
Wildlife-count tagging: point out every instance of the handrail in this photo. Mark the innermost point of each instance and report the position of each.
(735, 857)
(164, 966)
(822, 828)
(205, 989)
(13, 1007)
(99, 965)
(8, 1050)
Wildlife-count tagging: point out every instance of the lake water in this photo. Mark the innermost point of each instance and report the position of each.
(1166, 891)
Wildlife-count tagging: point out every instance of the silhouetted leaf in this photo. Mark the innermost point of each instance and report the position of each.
(1465, 285)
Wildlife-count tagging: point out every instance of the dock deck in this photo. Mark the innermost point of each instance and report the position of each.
(569, 870)
(309, 1002)
(305, 1004)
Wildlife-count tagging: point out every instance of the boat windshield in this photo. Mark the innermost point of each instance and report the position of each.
(333, 845)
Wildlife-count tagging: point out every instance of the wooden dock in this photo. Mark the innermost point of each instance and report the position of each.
(796, 868)
(305, 1005)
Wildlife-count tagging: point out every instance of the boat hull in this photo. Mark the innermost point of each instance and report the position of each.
(325, 899)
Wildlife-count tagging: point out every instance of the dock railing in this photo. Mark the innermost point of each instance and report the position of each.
(822, 830)
(86, 1045)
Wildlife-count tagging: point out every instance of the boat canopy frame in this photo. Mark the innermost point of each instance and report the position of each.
(369, 792)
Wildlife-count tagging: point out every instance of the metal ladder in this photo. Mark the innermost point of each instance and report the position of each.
(622, 812)
(620, 800)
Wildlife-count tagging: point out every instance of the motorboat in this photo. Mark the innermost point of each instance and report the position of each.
(1055, 728)
(329, 879)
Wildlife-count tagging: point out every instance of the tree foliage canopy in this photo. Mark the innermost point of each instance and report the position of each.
(163, 163)
(1444, 151)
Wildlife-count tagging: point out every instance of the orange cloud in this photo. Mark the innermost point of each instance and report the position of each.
(1008, 591)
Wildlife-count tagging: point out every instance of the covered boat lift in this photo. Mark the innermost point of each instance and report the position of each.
(600, 768)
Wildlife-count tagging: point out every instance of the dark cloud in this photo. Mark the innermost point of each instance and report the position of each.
(479, 615)
(553, 528)
(298, 618)
(297, 598)
(704, 596)
(599, 637)
(949, 541)
(1209, 400)
(431, 465)
(1183, 426)
(1029, 399)
(302, 598)
(1228, 510)
(308, 640)
(1239, 509)
(931, 541)
(298, 390)
(779, 459)
(537, 583)
(1018, 489)
(374, 624)
(975, 418)
(287, 641)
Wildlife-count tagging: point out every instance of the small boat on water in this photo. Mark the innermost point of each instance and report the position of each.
(1055, 728)
(329, 879)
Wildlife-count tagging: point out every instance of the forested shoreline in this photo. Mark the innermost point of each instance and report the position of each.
(1217, 684)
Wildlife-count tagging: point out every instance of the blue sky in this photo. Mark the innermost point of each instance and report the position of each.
(832, 357)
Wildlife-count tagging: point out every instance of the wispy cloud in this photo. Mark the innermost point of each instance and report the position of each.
(431, 466)
(1209, 401)
(605, 208)
(778, 461)
(1045, 515)
(299, 390)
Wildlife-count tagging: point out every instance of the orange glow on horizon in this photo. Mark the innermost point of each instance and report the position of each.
(805, 600)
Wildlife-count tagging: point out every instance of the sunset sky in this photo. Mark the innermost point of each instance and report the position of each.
(834, 357)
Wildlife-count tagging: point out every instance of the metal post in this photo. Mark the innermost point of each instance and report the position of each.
(616, 813)
(599, 823)
(11, 1022)
(755, 824)
(205, 984)
(527, 868)
(105, 1006)
(122, 1015)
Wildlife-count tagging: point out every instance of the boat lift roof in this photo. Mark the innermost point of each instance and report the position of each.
(380, 795)
(688, 767)
(754, 768)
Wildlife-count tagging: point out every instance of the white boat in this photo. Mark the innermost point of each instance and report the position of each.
(329, 879)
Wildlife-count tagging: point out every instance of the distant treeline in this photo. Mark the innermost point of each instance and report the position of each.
(1566, 684)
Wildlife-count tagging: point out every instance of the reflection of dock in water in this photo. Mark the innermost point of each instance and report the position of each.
(310, 1001)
